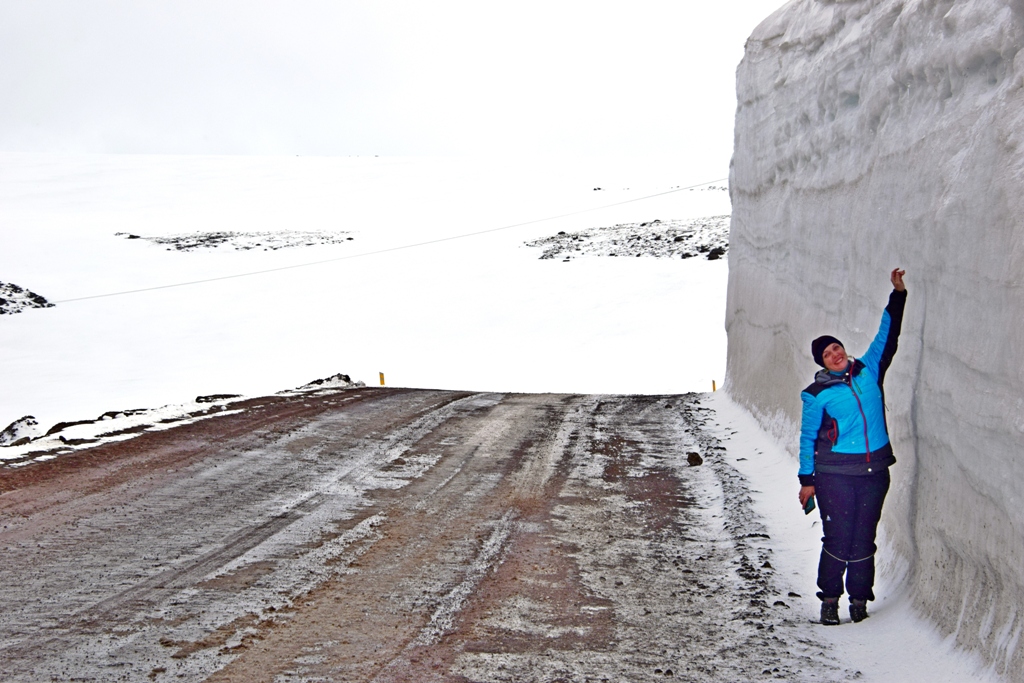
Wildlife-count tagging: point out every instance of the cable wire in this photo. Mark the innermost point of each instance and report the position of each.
(385, 250)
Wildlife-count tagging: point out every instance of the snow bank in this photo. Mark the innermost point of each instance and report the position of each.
(885, 133)
(24, 442)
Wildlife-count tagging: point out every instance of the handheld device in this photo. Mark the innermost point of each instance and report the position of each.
(809, 506)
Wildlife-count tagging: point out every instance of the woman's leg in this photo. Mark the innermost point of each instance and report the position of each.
(837, 505)
(860, 570)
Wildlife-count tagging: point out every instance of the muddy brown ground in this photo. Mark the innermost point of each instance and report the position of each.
(399, 535)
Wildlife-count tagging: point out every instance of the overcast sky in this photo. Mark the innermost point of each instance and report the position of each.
(365, 77)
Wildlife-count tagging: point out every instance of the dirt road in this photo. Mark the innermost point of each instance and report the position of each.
(399, 535)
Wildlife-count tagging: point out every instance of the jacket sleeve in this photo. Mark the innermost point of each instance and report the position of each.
(879, 355)
(809, 424)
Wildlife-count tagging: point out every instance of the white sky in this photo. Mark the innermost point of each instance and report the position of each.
(387, 77)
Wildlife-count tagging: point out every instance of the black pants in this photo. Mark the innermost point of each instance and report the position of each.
(850, 508)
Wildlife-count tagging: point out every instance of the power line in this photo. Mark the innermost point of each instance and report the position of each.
(386, 250)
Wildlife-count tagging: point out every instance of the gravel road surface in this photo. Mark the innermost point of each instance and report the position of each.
(399, 535)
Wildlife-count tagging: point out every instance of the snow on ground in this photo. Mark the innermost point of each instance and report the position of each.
(475, 313)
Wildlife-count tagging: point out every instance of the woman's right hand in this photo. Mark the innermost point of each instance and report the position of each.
(805, 494)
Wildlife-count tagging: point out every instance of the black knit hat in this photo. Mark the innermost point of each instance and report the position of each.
(819, 345)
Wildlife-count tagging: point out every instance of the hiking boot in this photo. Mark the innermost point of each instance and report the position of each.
(830, 611)
(858, 610)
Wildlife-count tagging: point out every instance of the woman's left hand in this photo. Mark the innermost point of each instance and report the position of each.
(897, 279)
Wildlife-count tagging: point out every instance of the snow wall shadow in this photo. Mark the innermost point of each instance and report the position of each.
(880, 133)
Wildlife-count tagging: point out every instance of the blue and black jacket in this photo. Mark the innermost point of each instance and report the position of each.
(843, 430)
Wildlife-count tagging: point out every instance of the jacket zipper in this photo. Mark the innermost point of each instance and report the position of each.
(863, 418)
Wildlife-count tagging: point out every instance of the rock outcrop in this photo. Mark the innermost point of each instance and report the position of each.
(872, 134)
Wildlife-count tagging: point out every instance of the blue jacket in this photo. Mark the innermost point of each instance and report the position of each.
(843, 430)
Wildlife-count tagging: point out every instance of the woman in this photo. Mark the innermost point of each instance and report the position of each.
(845, 457)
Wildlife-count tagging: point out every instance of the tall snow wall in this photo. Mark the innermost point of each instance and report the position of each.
(872, 134)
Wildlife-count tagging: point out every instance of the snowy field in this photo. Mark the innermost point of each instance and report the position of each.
(483, 312)
(477, 313)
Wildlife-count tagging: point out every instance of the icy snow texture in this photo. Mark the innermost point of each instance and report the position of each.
(881, 133)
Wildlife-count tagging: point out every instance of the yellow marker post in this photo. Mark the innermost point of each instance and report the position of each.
(381, 379)
(713, 387)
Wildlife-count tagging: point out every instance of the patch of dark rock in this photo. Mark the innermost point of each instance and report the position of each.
(128, 430)
(216, 397)
(60, 426)
(242, 241)
(112, 414)
(14, 299)
(338, 381)
(657, 238)
(694, 459)
(76, 442)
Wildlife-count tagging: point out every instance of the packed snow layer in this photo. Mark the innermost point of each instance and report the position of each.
(877, 134)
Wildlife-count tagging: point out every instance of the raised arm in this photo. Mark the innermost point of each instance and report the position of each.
(883, 347)
(896, 277)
